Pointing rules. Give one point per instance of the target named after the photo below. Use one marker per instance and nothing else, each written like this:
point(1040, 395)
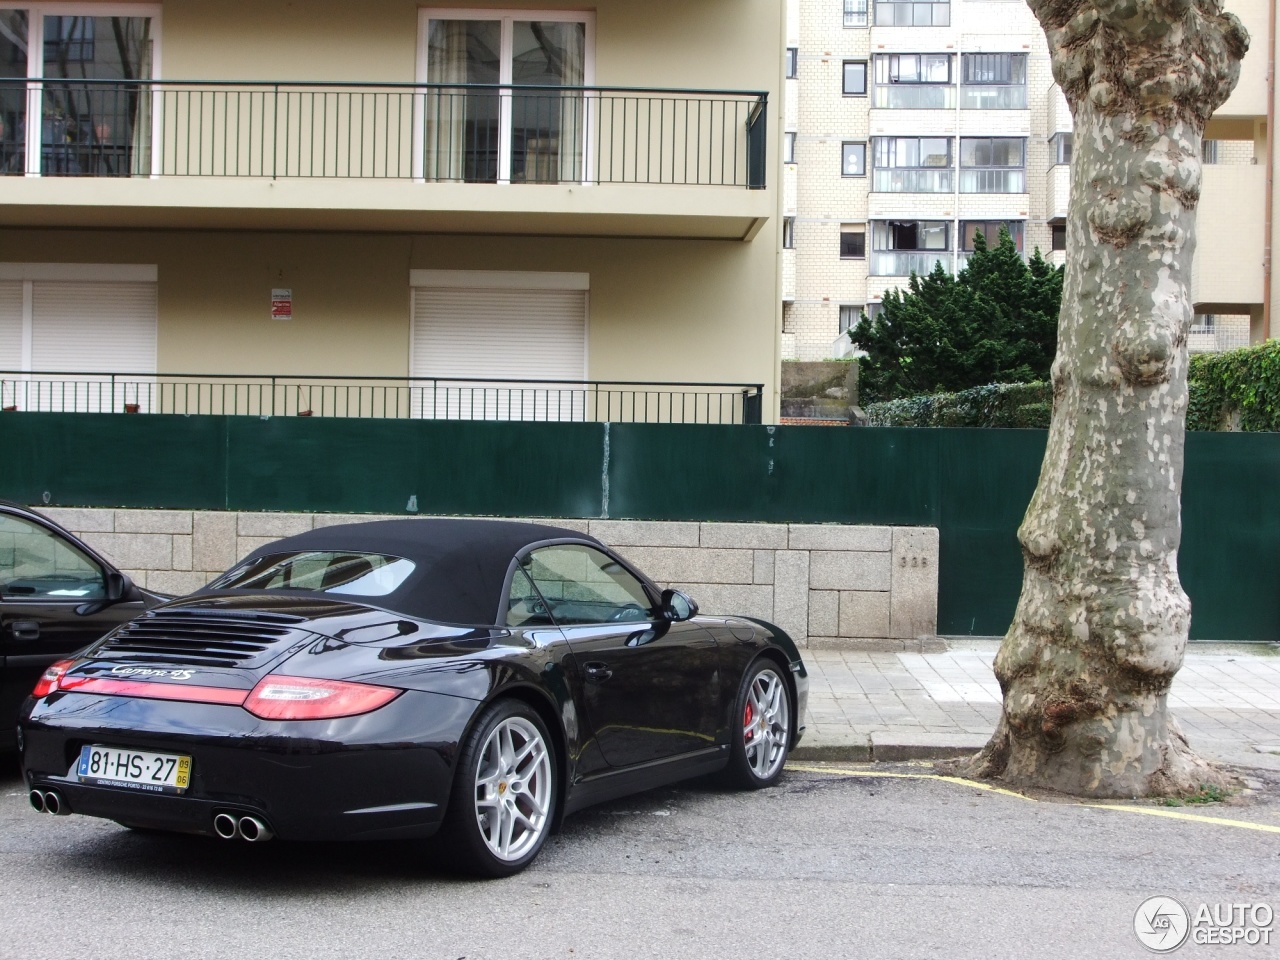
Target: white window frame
point(36, 12)
point(507, 17)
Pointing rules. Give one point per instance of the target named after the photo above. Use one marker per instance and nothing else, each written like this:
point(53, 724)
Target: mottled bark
point(1102, 623)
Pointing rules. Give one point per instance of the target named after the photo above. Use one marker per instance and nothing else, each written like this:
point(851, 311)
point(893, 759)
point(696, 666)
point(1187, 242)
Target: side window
point(524, 607)
point(583, 585)
point(36, 564)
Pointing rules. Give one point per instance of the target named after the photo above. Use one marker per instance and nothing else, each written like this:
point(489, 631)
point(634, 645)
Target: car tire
point(504, 793)
point(761, 727)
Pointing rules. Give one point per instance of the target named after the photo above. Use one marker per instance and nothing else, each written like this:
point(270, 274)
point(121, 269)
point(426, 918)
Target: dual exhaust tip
point(230, 826)
point(49, 801)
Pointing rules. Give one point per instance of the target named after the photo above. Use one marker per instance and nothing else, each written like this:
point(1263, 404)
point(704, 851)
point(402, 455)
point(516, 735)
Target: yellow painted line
point(1149, 811)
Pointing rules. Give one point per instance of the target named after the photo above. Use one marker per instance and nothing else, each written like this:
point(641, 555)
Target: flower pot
point(131, 408)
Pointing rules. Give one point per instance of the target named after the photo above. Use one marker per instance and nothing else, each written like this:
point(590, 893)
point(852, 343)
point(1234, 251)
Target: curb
point(883, 748)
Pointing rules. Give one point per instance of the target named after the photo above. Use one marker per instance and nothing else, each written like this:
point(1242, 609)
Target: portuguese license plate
point(134, 769)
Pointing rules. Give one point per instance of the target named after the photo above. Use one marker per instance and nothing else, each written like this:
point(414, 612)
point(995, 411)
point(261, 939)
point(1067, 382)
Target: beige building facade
point(389, 189)
point(911, 127)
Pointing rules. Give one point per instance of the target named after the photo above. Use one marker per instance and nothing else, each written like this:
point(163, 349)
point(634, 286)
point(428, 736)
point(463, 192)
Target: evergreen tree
point(994, 323)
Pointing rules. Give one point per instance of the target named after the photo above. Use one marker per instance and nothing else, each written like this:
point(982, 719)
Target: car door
point(44, 578)
point(650, 687)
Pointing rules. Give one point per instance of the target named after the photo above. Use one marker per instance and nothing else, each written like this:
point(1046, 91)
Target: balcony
point(912, 180)
point(993, 180)
point(902, 263)
point(993, 96)
point(1057, 192)
point(480, 158)
point(908, 96)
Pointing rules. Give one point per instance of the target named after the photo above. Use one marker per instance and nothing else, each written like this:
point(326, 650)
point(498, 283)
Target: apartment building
point(913, 126)
point(204, 192)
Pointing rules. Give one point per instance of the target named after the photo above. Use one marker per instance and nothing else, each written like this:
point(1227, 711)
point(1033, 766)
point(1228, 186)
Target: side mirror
point(678, 606)
point(117, 586)
point(119, 589)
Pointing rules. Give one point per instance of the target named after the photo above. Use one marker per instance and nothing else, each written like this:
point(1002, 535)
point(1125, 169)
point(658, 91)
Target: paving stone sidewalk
point(902, 706)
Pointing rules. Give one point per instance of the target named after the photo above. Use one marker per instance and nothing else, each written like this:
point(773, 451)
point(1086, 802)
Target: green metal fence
point(972, 484)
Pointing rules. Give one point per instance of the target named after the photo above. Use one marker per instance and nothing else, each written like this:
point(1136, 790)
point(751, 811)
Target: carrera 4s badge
point(152, 672)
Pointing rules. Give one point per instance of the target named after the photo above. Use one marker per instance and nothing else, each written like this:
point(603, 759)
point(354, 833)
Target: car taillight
point(302, 698)
point(48, 681)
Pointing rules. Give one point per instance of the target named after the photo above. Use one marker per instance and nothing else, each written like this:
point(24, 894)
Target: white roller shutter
point(506, 334)
point(94, 326)
point(10, 340)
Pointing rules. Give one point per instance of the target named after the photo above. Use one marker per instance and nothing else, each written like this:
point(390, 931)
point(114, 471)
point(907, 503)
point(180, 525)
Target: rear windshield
point(320, 571)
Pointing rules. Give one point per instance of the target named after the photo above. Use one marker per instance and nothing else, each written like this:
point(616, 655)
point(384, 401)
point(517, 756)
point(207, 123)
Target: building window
point(855, 78)
point(854, 160)
point(914, 81)
point(788, 233)
point(525, 135)
point(990, 232)
point(993, 165)
point(853, 241)
point(789, 147)
point(849, 315)
point(1060, 147)
point(1057, 236)
point(900, 248)
point(912, 165)
point(792, 57)
point(1209, 151)
point(855, 13)
point(913, 13)
point(90, 115)
point(993, 81)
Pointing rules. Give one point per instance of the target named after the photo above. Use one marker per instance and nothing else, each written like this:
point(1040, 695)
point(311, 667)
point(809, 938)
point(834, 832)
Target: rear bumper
point(383, 775)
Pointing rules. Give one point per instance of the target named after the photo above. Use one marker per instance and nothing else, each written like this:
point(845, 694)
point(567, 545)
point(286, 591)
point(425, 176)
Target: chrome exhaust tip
point(254, 830)
point(53, 803)
point(224, 825)
point(37, 801)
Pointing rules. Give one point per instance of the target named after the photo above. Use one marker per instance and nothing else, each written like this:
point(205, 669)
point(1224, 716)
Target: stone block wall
point(828, 585)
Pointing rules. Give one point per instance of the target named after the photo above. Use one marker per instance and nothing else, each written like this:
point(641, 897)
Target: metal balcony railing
point(995, 96)
point(914, 96)
point(418, 398)
point(409, 131)
point(912, 179)
point(902, 263)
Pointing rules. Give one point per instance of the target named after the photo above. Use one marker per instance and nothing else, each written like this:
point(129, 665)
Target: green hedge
point(995, 405)
point(1236, 390)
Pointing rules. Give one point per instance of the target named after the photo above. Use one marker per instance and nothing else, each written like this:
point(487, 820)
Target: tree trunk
point(1102, 622)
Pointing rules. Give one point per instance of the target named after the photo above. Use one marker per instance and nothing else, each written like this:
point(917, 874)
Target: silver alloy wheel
point(513, 788)
point(766, 724)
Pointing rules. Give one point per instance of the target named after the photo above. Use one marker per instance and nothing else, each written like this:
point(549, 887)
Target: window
point(900, 248)
point(853, 162)
point(853, 242)
point(1057, 236)
point(1060, 145)
point(789, 147)
point(914, 81)
point(993, 81)
point(37, 564)
point(322, 571)
point(992, 165)
point(855, 13)
point(989, 230)
point(788, 233)
point(855, 78)
point(793, 55)
point(912, 165)
point(912, 13)
point(1209, 151)
point(580, 584)
point(92, 119)
point(850, 313)
point(486, 135)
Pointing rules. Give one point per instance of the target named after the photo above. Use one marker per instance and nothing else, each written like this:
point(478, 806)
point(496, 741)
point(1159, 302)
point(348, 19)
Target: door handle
point(596, 672)
point(25, 631)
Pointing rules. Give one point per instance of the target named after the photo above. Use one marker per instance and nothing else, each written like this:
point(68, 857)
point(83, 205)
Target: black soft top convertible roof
point(460, 565)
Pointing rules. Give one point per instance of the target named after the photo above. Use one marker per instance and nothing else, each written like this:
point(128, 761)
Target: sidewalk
point(904, 706)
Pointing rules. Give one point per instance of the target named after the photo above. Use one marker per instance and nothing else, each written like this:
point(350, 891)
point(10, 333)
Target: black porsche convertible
point(395, 679)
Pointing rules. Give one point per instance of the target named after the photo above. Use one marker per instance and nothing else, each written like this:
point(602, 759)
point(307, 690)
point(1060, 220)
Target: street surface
point(827, 865)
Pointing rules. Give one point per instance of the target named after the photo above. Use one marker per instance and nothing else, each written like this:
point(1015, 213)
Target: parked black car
point(387, 680)
point(57, 595)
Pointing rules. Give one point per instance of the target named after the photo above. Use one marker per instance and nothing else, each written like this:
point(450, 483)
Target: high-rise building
point(912, 126)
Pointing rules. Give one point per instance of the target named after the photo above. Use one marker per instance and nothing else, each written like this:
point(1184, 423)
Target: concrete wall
point(827, 585)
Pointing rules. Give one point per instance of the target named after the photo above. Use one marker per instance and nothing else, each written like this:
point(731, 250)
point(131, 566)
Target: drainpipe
point(1271, 168)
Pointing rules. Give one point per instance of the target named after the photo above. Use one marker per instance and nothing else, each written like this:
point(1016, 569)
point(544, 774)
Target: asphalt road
point(823, 866)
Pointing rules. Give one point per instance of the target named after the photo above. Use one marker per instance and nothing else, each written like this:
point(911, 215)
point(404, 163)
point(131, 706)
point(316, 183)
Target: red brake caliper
point(748, 716)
